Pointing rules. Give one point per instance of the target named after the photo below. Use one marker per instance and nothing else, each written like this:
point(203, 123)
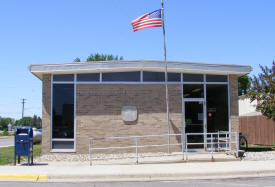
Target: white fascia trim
point(180, 67)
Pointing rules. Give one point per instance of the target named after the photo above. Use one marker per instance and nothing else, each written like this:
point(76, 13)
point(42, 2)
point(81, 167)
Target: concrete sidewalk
point(142, 172)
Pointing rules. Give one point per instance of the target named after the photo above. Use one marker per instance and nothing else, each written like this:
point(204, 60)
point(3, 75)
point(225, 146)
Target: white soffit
point(142, 65)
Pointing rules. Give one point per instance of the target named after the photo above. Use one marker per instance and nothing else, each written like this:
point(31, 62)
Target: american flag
point(148, 20)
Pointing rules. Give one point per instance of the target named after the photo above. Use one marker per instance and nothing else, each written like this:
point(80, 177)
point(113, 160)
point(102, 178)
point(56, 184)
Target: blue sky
point(50, 31)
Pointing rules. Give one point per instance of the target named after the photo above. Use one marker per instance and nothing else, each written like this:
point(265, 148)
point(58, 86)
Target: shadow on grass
point(258, 148)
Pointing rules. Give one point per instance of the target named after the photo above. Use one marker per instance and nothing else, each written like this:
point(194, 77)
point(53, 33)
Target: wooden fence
point(258, 129)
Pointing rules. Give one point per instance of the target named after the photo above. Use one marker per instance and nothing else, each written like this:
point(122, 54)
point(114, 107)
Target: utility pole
point(23, 105)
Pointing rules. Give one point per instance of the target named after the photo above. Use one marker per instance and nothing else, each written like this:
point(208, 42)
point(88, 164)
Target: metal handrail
point(127, 137)
point(225, 140)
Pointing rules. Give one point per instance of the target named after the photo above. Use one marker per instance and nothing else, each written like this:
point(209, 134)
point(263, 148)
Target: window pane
point(62, 145)
point(122, 76)
point(88, 77)
point(153, 76)
point(174, 77)
point(194, 122)
point(63, 111)
point(192, 77)
point(193, 91)
point(216, 78)
point(217, 108)
point(67, 77)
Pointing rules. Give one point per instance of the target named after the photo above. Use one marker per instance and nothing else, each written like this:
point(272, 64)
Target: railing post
point(169, 143)
point(226, 141)
point(218, 141)
point(136, 150)
point(237, 144)
point(182, 146)
point(186, 143)
point(90, 150)
point(212, 145)
point(230, 138)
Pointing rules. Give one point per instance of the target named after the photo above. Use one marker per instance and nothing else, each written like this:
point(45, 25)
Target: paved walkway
point(142, 172)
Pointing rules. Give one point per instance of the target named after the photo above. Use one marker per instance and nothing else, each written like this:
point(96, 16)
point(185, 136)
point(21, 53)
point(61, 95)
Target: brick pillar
point(234, 108)
point(46, 113)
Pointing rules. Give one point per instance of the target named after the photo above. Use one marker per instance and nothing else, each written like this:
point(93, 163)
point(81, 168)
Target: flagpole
point(166, 76)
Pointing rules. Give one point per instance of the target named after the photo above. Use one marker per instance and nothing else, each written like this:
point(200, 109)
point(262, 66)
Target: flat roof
point(138, 65)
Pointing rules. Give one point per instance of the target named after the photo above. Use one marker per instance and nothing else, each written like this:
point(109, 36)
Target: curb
point(6, 146)
point(134, 177)
point(23, 177)
point(159, 177)
point(5, 137)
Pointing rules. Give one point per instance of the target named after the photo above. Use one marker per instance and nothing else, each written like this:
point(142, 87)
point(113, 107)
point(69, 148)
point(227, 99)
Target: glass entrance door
point(194, 123)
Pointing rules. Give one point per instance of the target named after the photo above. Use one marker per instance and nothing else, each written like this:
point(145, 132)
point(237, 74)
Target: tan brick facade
point(234, 107)
point(46, 113)
point(98, 113)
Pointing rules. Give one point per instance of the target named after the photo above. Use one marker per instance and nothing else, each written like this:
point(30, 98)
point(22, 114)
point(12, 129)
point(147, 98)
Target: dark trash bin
point(23, 143)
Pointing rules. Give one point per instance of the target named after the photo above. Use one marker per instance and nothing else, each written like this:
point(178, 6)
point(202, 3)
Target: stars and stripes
point(148, 20)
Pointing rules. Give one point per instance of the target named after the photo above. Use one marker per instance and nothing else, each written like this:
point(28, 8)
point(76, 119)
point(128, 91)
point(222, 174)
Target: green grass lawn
point(7, 154)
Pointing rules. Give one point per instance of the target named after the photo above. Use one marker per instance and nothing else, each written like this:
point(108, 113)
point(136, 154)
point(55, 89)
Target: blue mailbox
point(23, 143)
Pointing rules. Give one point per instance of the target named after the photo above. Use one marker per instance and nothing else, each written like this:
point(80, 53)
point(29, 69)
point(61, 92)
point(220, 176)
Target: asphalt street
point(250, 182)
point(5, 142)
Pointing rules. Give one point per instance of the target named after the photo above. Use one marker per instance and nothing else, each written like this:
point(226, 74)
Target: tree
point(25, 121)
point(5, 121)
point(36, 121)
point(77, 59)
point(263, 90)
point(100, 57)
point(39, 122)
point(244, 83)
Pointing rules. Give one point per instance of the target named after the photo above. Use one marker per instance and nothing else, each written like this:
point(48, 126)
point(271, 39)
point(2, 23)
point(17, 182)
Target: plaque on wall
point(129, 113)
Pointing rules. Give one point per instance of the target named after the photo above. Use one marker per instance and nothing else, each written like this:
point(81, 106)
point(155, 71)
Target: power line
point(23, 104)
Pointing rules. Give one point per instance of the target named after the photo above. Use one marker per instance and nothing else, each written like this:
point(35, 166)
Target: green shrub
point(5, 132)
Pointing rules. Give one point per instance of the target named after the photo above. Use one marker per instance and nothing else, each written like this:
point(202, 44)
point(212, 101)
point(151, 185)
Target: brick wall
point(46, 113)
point(99, 114)
point(234, 108)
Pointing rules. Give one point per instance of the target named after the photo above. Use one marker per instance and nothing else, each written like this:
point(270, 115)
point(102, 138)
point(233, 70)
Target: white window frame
point(51, 123)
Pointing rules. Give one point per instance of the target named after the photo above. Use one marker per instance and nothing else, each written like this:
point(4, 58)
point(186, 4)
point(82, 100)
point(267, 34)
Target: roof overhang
point(139, 65)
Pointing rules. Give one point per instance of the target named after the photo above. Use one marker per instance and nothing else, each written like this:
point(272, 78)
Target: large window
point(217, 107)
point(63, 116)
point(174, 77)
point(63, 77)
point(121, 76)
point(149, 76)
point(153, 76)
point(216, 78)
point(193, 91)
point(192, 78)
point(93, 77)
